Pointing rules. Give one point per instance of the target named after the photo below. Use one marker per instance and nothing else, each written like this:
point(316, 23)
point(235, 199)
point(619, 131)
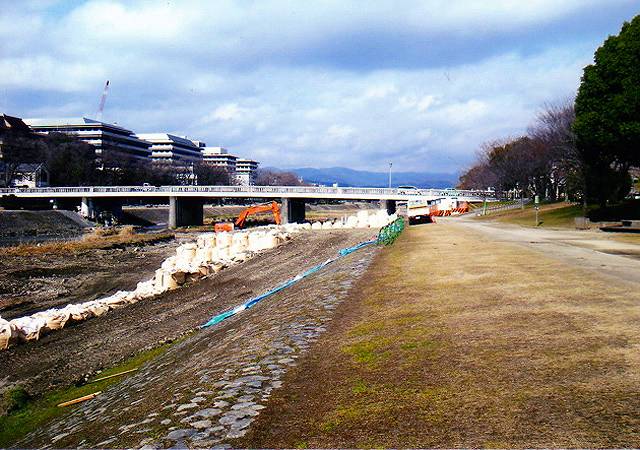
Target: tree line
point(580, 149)
point(72, 162)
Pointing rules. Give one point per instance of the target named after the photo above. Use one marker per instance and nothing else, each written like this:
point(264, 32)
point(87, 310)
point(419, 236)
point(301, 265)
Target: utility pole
point(390, 164)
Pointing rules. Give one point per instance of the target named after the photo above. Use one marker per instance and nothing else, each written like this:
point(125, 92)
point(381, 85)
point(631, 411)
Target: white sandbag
point(240, 257)
point(315, 226)
point(327, 225)
point(55, 319)
point(255, 241)
point(223, 239)
point(145, 289)
point(169, 263)
point(240, 239)
point(352, 222)
point(158, 280)
point(77, 313)
point(185, 254)
point(97, 308)
point(29, 328)
point(238, 247)
point(8, 334)
point(217, 267)
point(116, 300)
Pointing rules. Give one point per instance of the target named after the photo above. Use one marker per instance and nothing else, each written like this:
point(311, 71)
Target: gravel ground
point(37, 282)
point(208, 388)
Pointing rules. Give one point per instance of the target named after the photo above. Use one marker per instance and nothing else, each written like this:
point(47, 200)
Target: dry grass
point(455, 341)
point(99, 238)
point(626, 238)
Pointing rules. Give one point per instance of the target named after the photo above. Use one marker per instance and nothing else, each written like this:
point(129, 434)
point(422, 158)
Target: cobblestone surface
point(210, 387)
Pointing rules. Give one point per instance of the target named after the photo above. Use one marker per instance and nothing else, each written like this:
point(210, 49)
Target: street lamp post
point(390, 164)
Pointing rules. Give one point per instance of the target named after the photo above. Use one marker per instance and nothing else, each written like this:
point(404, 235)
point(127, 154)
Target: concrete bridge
point(186, 202)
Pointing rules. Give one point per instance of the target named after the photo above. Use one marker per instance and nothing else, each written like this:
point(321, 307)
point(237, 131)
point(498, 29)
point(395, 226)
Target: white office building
point(220, 157)
point(108, 139)
point(167, 147)
point(246, 171)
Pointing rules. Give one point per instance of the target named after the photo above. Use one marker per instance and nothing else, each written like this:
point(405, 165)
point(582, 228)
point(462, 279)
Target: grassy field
point(555, 215)
point(457, 341)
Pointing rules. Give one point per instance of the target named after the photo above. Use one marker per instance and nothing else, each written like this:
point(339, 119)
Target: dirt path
point(592, 250)
point(457, 339)
point(33, 283)
point(63, 357)
point(209, 387)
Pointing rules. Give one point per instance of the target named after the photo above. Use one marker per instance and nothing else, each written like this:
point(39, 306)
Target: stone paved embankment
point(209, 388)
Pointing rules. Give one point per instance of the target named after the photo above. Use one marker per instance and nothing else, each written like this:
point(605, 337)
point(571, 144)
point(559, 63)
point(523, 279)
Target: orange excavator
point(255, 209)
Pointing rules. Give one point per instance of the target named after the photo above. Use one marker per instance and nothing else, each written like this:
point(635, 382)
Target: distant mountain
point(349, 177)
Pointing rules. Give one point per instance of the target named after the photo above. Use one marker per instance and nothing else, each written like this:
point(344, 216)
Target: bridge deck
point(338, 193)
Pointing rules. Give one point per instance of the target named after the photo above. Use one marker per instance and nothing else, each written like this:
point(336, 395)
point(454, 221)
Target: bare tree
point(267, 177)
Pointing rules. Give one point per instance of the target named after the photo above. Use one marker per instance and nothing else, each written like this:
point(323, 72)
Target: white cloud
point(292, 84)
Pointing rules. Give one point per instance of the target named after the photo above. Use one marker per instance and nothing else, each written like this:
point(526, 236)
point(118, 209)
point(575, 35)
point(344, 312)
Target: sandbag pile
point(363, 219)
point(210, 253)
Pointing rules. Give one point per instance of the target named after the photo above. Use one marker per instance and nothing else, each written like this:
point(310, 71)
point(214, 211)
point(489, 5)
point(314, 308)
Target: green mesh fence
point(388, 234)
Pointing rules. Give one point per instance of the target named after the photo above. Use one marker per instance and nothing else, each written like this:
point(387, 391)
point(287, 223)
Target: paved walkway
point(585, 249)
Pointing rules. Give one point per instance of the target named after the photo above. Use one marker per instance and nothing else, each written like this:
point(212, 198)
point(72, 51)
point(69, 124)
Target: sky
point(329, 83)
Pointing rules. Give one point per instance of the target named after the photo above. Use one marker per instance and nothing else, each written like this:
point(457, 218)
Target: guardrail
point(249, 190)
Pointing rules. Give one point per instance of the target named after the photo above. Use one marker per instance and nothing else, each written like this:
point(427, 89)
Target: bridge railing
point(251, 190)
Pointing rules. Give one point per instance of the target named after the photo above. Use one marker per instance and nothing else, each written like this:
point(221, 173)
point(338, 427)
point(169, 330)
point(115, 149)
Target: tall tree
point(209, 175)
point(607, 124)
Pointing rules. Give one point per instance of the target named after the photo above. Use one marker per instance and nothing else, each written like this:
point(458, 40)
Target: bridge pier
point(292, 210)
point(185, 211)
point(93, 208)
point(389, 205)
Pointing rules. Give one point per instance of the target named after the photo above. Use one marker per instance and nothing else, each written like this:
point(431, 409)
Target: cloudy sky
point(301, 83)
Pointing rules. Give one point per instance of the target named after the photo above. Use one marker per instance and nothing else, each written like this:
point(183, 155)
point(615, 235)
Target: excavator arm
point(272, 206)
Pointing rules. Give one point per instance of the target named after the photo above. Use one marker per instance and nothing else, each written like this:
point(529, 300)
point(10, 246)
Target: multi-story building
point(169, 148)
point(220, 157)
point(11, 126)
point(111, 142)
point(246, 171)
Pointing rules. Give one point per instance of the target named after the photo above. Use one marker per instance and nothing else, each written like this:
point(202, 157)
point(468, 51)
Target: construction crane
point(102, 101)
point(271, 206)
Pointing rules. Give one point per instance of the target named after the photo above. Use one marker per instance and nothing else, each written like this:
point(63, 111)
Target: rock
point(209, 412)
point(58, 437)
point(187, 406)
point(162, 422)
point(201, 424)
point(243, 405)
point(180, 434)
point(240, 424)
point(236, 433)
point(197, 399)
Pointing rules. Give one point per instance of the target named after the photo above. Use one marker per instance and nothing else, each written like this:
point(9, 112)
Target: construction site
point(208, 336)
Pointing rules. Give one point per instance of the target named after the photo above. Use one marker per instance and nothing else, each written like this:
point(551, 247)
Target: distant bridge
point(186, 201)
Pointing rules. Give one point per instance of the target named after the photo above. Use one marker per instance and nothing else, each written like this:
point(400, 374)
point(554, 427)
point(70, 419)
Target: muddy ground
point(29, 284)
point(65, 356)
